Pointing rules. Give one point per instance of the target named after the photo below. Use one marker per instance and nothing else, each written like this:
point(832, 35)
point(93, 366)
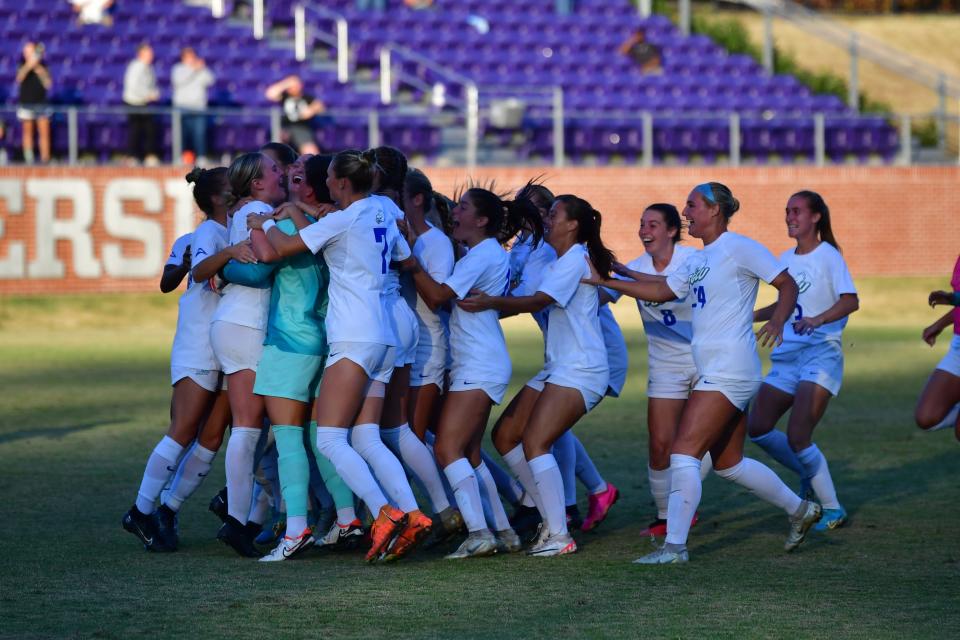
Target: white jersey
point(191, 344)
point(822, 277)
point(668, 325)
point(358, 244)
point(519, 253)
point(720, 284)
point(435, 253)
point(574, 342)
point(390, 208)
point(478, 349)
point(245, 306)
point(539, 259)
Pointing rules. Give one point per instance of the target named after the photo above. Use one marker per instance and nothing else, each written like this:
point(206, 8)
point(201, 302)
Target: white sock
point(685, 492)
point(762, 482)
point(239, 465)
point(706, 466)
point(466, 489)
point(365, 439)
point(518, 464)
point(660, 489)
point(161, 465)
point(296, 525)
point(259, 507)
point(488, 486)
point(346, 515)
point(193, 469)
point(550, 487)
point(815, 467)
point(775, 443)
point(411, 450)
point(332, 442)
point(948, 421)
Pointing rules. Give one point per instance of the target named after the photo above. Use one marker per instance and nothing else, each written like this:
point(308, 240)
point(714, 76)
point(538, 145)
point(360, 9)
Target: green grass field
point(86, 395)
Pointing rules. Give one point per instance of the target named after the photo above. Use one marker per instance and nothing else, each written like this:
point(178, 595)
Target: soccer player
point(808, 365)
point(237, 334)
point(671, 370)
point(722, 281)
point(290, 367)
point(197, 404)
point(358, 242)
point(576, 373)
point(481, 365)
point(939, 403)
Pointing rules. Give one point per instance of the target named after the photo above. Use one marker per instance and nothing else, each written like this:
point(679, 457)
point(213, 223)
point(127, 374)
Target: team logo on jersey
point(699, 274)
point(379, 217)
point(803, 281)
point(651, 304)
point(201, 252)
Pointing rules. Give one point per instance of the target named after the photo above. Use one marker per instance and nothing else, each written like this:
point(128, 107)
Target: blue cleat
point(831, 519)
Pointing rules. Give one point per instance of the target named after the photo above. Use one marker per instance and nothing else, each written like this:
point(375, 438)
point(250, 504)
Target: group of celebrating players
point(343, 319)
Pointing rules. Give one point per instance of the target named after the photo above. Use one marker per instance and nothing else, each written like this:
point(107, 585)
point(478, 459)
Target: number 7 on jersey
point(380, 235)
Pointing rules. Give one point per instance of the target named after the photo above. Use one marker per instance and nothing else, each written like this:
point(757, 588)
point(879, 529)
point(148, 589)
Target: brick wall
point(889, 221)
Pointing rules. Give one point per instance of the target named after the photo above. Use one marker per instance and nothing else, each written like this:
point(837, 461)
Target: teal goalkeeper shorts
point(282, 374)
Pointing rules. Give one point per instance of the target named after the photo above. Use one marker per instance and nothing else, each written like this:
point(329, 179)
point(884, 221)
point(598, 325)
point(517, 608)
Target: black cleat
point(574, 519)
point(218, 505)
point(168, 529)
point(234, 535)
point(142, 526)
point(525, 521)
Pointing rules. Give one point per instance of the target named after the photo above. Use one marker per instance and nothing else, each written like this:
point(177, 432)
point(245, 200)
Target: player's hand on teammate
point(477, 301)
point(242, 252)
point(940, 297)
point(240, 204)
point(806, 326)
point(187, 259)
point(770, 334)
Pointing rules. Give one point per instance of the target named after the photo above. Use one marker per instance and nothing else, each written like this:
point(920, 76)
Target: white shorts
point(819, 363)
point(738, 392)
point(376, 359)
point(590, 398)
point(495, 390)
point(951, 361)
point(671, 383)
point(407, 330)
point(209, 379)
point(236, 347)
point(429, 365)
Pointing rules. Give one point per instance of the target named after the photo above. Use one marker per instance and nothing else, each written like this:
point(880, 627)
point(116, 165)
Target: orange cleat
point(390, 521)
point(416, 530)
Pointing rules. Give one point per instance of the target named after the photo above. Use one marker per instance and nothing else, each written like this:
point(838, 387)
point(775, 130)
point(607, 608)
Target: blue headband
point(706, 191)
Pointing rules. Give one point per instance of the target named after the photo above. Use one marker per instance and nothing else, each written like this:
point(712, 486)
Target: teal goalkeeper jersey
point(298, 302)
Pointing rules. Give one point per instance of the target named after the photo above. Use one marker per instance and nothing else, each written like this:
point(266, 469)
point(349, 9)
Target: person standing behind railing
point(140, 90)
point(190, 79)
point(33, 82)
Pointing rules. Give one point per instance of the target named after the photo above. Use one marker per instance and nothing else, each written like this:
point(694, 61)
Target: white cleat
point(809, 515)
point(477, 544)
point(290, 547)
point(508, 541)
point(560, 544)
point(662, 556)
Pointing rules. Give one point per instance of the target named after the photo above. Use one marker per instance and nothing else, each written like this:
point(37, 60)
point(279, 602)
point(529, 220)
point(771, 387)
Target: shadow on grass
point(56, 433)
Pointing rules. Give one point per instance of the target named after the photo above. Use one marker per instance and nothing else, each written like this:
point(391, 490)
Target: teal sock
point(342, 495)
point(294, 473)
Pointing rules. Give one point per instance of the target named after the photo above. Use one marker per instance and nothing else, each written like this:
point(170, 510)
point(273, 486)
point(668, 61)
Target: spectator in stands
point(93, 11)
point(645, 54)
point(140, 90)
point(190, 79)
point(299, 109)
point(418, 4)
point(33, 80)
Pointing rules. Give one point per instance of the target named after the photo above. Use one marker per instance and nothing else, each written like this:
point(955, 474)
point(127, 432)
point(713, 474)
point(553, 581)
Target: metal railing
point(306, 31)
point(546, 116)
